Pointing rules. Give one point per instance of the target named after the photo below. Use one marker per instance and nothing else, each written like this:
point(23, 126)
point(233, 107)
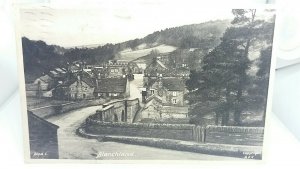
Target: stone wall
point(210, 134)
point(168, 131)
point(47, 111)
point(80, 91)
point(174, 112)
point(168, 98)
point(119, 111)
point(234, 135)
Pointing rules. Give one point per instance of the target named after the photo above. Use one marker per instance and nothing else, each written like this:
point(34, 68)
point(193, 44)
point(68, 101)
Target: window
point(152, 91)
point(112, 70)
point(116, 70)
point(174, 93)
point(174, 101)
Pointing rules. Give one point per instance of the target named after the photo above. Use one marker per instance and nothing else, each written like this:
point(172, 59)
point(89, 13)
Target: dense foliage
point(224, 85)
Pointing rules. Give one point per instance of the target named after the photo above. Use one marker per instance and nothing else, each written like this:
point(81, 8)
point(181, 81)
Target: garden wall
point(234, 135)
point(210, 134)
point(168, 131)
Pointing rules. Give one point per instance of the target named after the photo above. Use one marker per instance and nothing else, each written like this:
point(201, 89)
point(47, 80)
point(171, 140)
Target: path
point(71, 146)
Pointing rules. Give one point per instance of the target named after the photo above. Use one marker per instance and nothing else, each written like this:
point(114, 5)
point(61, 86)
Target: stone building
point(116, 68)
point(165, 98)
point(44, 82)
point(42, 138)
point(119, 111)
point(112, 87)
point(156, 68)
point(76, 89)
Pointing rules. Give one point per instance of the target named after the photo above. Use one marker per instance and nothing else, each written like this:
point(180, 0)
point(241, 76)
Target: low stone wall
point(174, 112)
point(168, 131)
point(234, 135)
point(81, 104)
point(246, 152)
point(118, 111)
point(48, 111)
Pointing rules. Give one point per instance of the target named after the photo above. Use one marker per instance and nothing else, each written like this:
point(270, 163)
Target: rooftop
point(46, 78)
point(111, 85)
point(173, 84)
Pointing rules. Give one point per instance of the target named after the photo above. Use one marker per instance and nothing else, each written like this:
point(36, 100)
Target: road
point(136, 86)
point(71, 146)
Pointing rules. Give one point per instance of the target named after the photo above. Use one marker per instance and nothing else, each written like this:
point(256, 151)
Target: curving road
point(72, 146)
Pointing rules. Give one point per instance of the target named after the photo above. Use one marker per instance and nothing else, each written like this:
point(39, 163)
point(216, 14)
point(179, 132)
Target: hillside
point(129, 54)
point(40, 57)
point(204, 36)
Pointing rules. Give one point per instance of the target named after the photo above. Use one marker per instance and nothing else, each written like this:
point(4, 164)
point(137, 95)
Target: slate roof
point(60, 70)
point(173, 84)
point(89, 81)
point(111, 85)
point(46, 78)
point(69, 82)
point(161, 64)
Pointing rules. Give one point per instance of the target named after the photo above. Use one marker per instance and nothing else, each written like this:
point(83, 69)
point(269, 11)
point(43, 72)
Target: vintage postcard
point(145, 82)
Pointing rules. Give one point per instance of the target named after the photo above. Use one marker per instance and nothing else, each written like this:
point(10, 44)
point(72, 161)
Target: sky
point(111, 22)
point(115, 23)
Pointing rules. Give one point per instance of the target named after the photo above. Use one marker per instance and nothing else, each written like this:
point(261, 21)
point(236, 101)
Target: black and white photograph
point(146, 82)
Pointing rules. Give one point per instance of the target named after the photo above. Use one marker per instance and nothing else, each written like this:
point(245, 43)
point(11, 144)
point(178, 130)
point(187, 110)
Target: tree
point(214, 85)
point(262, 80)
point(245, 19)
point(222, 85)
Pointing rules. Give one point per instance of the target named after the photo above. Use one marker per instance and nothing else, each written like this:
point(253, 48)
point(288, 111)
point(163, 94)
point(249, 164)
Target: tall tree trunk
point(242, 79)
point(225, 114)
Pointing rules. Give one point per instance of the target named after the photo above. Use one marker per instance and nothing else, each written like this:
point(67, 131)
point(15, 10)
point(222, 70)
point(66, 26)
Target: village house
point(116, 68)
point(75, 68)
point(58, 74)
point(153, 71)
point(133, 68)
point(44, 82)
point(82, 88)
point(76, 88)
point(41, 87)
point(156, 68)
point(166, 97)
point(141, 66)
point(112, 88)
point(182, 72)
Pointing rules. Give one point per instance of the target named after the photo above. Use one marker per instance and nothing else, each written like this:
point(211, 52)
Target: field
point(130, 55)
